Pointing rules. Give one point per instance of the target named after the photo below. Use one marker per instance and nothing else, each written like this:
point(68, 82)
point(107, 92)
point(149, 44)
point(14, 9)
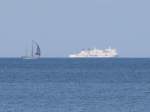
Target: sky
point(62, 27)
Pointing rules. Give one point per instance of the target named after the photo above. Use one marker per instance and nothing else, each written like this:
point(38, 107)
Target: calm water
point(75, 85)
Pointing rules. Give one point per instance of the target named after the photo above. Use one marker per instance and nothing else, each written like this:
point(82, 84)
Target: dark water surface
point(75, 85)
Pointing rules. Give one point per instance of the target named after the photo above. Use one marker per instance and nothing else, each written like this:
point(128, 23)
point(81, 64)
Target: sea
point(75, 85)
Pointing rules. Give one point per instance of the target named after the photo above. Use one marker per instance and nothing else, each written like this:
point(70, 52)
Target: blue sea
point(75, 85)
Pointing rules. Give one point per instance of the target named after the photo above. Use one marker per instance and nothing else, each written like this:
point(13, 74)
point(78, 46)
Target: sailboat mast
point(32, 49)
point(26, 52)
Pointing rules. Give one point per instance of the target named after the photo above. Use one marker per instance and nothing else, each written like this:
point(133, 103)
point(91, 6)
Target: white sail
point(35, 51)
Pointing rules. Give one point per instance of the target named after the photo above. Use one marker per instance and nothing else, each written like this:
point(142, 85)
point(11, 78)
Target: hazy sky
point(65, 26)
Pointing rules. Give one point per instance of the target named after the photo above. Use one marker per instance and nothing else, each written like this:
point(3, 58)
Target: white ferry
point(95, 53)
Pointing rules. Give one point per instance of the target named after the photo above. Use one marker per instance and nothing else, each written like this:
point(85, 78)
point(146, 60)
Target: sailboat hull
point(29, 58)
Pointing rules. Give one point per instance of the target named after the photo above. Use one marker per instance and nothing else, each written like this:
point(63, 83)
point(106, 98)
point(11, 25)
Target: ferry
point(96, 53)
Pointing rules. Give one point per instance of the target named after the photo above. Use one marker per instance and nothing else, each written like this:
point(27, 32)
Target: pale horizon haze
point(62, 27)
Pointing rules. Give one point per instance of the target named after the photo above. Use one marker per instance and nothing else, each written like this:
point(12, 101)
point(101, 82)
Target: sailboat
point(35, 52)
